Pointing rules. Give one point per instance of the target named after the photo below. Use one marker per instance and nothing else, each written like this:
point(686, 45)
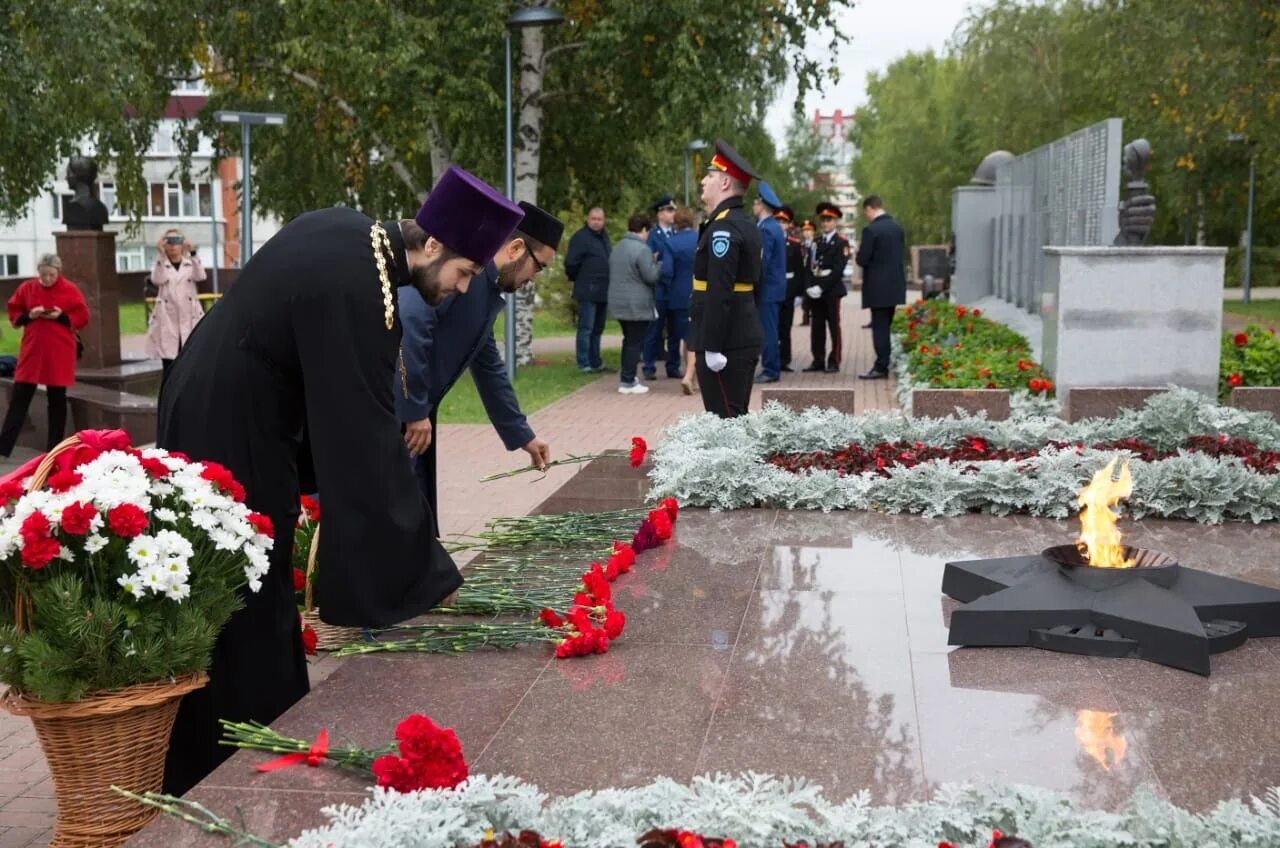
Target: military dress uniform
point(723, 317)
point(797, 282)
point(830, 255)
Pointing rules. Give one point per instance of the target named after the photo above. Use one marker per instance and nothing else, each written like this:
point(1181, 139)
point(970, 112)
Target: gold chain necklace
point(382, 252)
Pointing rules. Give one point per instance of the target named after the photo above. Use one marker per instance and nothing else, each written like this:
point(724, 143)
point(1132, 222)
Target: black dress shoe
point(814, 367)
point(874, 375)
point(651, 375)
point(765, 378)
point(866, 326)
point(788, 369)
point(831, 369)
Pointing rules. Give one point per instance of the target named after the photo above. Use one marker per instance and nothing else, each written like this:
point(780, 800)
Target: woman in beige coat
point(177, 309)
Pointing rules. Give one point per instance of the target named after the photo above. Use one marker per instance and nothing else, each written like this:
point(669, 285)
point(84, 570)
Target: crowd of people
point(646, 283)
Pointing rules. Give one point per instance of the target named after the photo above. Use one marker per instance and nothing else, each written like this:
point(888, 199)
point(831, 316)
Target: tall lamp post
point(247, 120)
point(1246, 284)
point(689, 149)
point(526, 16)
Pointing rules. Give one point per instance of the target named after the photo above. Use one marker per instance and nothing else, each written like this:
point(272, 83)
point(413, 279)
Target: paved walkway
point(593, 419)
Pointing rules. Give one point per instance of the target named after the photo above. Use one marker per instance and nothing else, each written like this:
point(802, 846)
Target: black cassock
point(290, 374)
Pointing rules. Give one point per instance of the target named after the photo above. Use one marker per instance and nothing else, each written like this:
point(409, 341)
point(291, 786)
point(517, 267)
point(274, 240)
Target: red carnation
point(661, 523)
point(961, 311)
point(78, 517)
point(614, 622)
point(646, 537)
point(127, 520)
point(551, 618)
point(154, 467)
point(672, 506)
point(37, 553)
point(262, 524)
point(62, 481)
point(222, 480)
point(311, 508)
point(309, 639)
point(626, 553)
point(977, 313)
point(394, 773)
point(34, 527)
point(12, 491)
point(1240, 339)
point(638, 449)
point(1235, 380)
point(299, 580)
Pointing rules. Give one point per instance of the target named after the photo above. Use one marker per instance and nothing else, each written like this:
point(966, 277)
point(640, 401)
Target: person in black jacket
point(828, 258)
point(725, 328)
point(587, 266)
point(884, 282)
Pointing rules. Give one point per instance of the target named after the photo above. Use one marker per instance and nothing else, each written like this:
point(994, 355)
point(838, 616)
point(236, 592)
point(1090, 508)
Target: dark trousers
point(424, 468)
point(633, 333)
point(674, 324)
point(826, 319)
point(20, 402)
point(591, 320)
point(786, 317)
point(881, 320)
point(770, 354)
point(727, 393)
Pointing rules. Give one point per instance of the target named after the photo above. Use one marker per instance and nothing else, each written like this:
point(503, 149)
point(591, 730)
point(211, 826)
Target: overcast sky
point(881, 31)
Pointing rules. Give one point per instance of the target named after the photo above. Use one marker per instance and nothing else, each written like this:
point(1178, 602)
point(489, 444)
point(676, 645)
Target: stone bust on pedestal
point(84, 211)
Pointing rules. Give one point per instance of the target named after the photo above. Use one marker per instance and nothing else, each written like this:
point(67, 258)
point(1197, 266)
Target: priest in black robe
point(285, 383)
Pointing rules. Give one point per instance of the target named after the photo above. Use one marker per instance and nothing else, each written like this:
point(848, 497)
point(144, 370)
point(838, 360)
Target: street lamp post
point(247, 120)
point(526, 16)
point(1247, 282)
point(689, 149)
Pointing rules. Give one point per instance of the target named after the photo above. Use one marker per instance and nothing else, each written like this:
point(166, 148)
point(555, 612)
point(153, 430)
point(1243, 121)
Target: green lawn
point(547, 380)
point(1259, 310)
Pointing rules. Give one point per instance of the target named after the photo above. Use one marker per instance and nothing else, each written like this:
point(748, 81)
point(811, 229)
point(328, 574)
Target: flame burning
point(1098, 531)
point(1097, 736)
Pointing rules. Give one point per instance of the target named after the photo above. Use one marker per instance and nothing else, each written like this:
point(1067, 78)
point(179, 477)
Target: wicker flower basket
point(118, 737)
point(111, 738)
point(329, 637)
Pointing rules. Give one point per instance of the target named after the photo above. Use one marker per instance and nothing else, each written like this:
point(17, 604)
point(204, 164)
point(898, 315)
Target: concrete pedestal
point(1142, 316)
point(89, 261)
point(973, 215)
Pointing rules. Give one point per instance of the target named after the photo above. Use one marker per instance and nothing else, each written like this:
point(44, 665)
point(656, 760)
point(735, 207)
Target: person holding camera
point(50, 310)
point(177, 310)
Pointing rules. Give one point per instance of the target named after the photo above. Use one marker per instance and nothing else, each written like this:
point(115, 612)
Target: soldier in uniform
point(796, 285)
point(830, 256)
point(725, 329)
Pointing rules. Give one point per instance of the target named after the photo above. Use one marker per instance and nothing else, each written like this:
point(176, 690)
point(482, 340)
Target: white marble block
point(1133, 316)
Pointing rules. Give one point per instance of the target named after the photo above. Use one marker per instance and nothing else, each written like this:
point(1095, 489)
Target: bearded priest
point(285, 383)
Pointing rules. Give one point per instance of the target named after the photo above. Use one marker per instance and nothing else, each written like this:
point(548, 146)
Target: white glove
point(716, 361)
point(825, 272)
point(799, 301)
point(814, 292)
point(790, 274)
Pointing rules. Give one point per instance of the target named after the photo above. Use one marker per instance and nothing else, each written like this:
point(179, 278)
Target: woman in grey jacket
point(633, 272)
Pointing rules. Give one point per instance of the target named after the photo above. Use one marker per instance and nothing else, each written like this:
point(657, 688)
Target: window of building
point(60, 205)
point(8, 264)
point(131, 258)
point(170, 200)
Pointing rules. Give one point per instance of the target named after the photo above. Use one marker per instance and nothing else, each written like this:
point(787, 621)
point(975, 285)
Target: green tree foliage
point(1185, 74)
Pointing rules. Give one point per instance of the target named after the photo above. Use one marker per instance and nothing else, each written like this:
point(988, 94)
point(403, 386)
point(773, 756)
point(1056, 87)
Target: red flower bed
point(883, 457)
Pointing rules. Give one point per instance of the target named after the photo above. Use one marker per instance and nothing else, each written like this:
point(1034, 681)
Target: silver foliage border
point(761, 810)
point(710, 462)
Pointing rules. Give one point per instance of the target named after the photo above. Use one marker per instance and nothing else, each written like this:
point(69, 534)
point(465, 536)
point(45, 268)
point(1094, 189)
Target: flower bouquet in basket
point(316, 634)
point(118, 569)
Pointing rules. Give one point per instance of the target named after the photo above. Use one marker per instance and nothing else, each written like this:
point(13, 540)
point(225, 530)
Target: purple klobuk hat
point(466, 215)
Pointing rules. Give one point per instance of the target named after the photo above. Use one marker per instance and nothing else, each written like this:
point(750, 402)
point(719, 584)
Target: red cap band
point(721, 164)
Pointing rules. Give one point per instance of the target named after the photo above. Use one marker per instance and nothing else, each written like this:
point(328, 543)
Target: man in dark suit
point(442, 341)
point(884, 282)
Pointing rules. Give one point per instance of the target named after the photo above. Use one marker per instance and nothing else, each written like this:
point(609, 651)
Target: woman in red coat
point(50, 310)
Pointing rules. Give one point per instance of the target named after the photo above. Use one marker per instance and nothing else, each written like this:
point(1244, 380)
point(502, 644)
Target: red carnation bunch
point(310, 509)
point(661, 521)
point(38, 546)
point(430, 758)
point(223, 481)
point(127, 520)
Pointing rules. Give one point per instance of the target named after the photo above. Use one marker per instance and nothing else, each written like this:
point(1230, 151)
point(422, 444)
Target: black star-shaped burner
point(1162, 612)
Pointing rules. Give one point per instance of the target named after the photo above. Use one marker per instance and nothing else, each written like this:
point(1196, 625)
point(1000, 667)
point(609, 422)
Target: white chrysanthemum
point(153, 579)
point(255, 584)
point(257, 558)
point(204, 519)
point(143, 551)
point(66, 554)
point(162, 490)
point(132, 583)
point(177, 590)
point(224, 541)
point(174, 544)
point(94, 542)
point(9, 537)
point(166, 515)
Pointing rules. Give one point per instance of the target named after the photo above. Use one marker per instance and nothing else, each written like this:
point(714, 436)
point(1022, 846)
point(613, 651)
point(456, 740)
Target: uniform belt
point(701, 285)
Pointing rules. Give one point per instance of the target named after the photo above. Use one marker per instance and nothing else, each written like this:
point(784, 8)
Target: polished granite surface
point(809, 644)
